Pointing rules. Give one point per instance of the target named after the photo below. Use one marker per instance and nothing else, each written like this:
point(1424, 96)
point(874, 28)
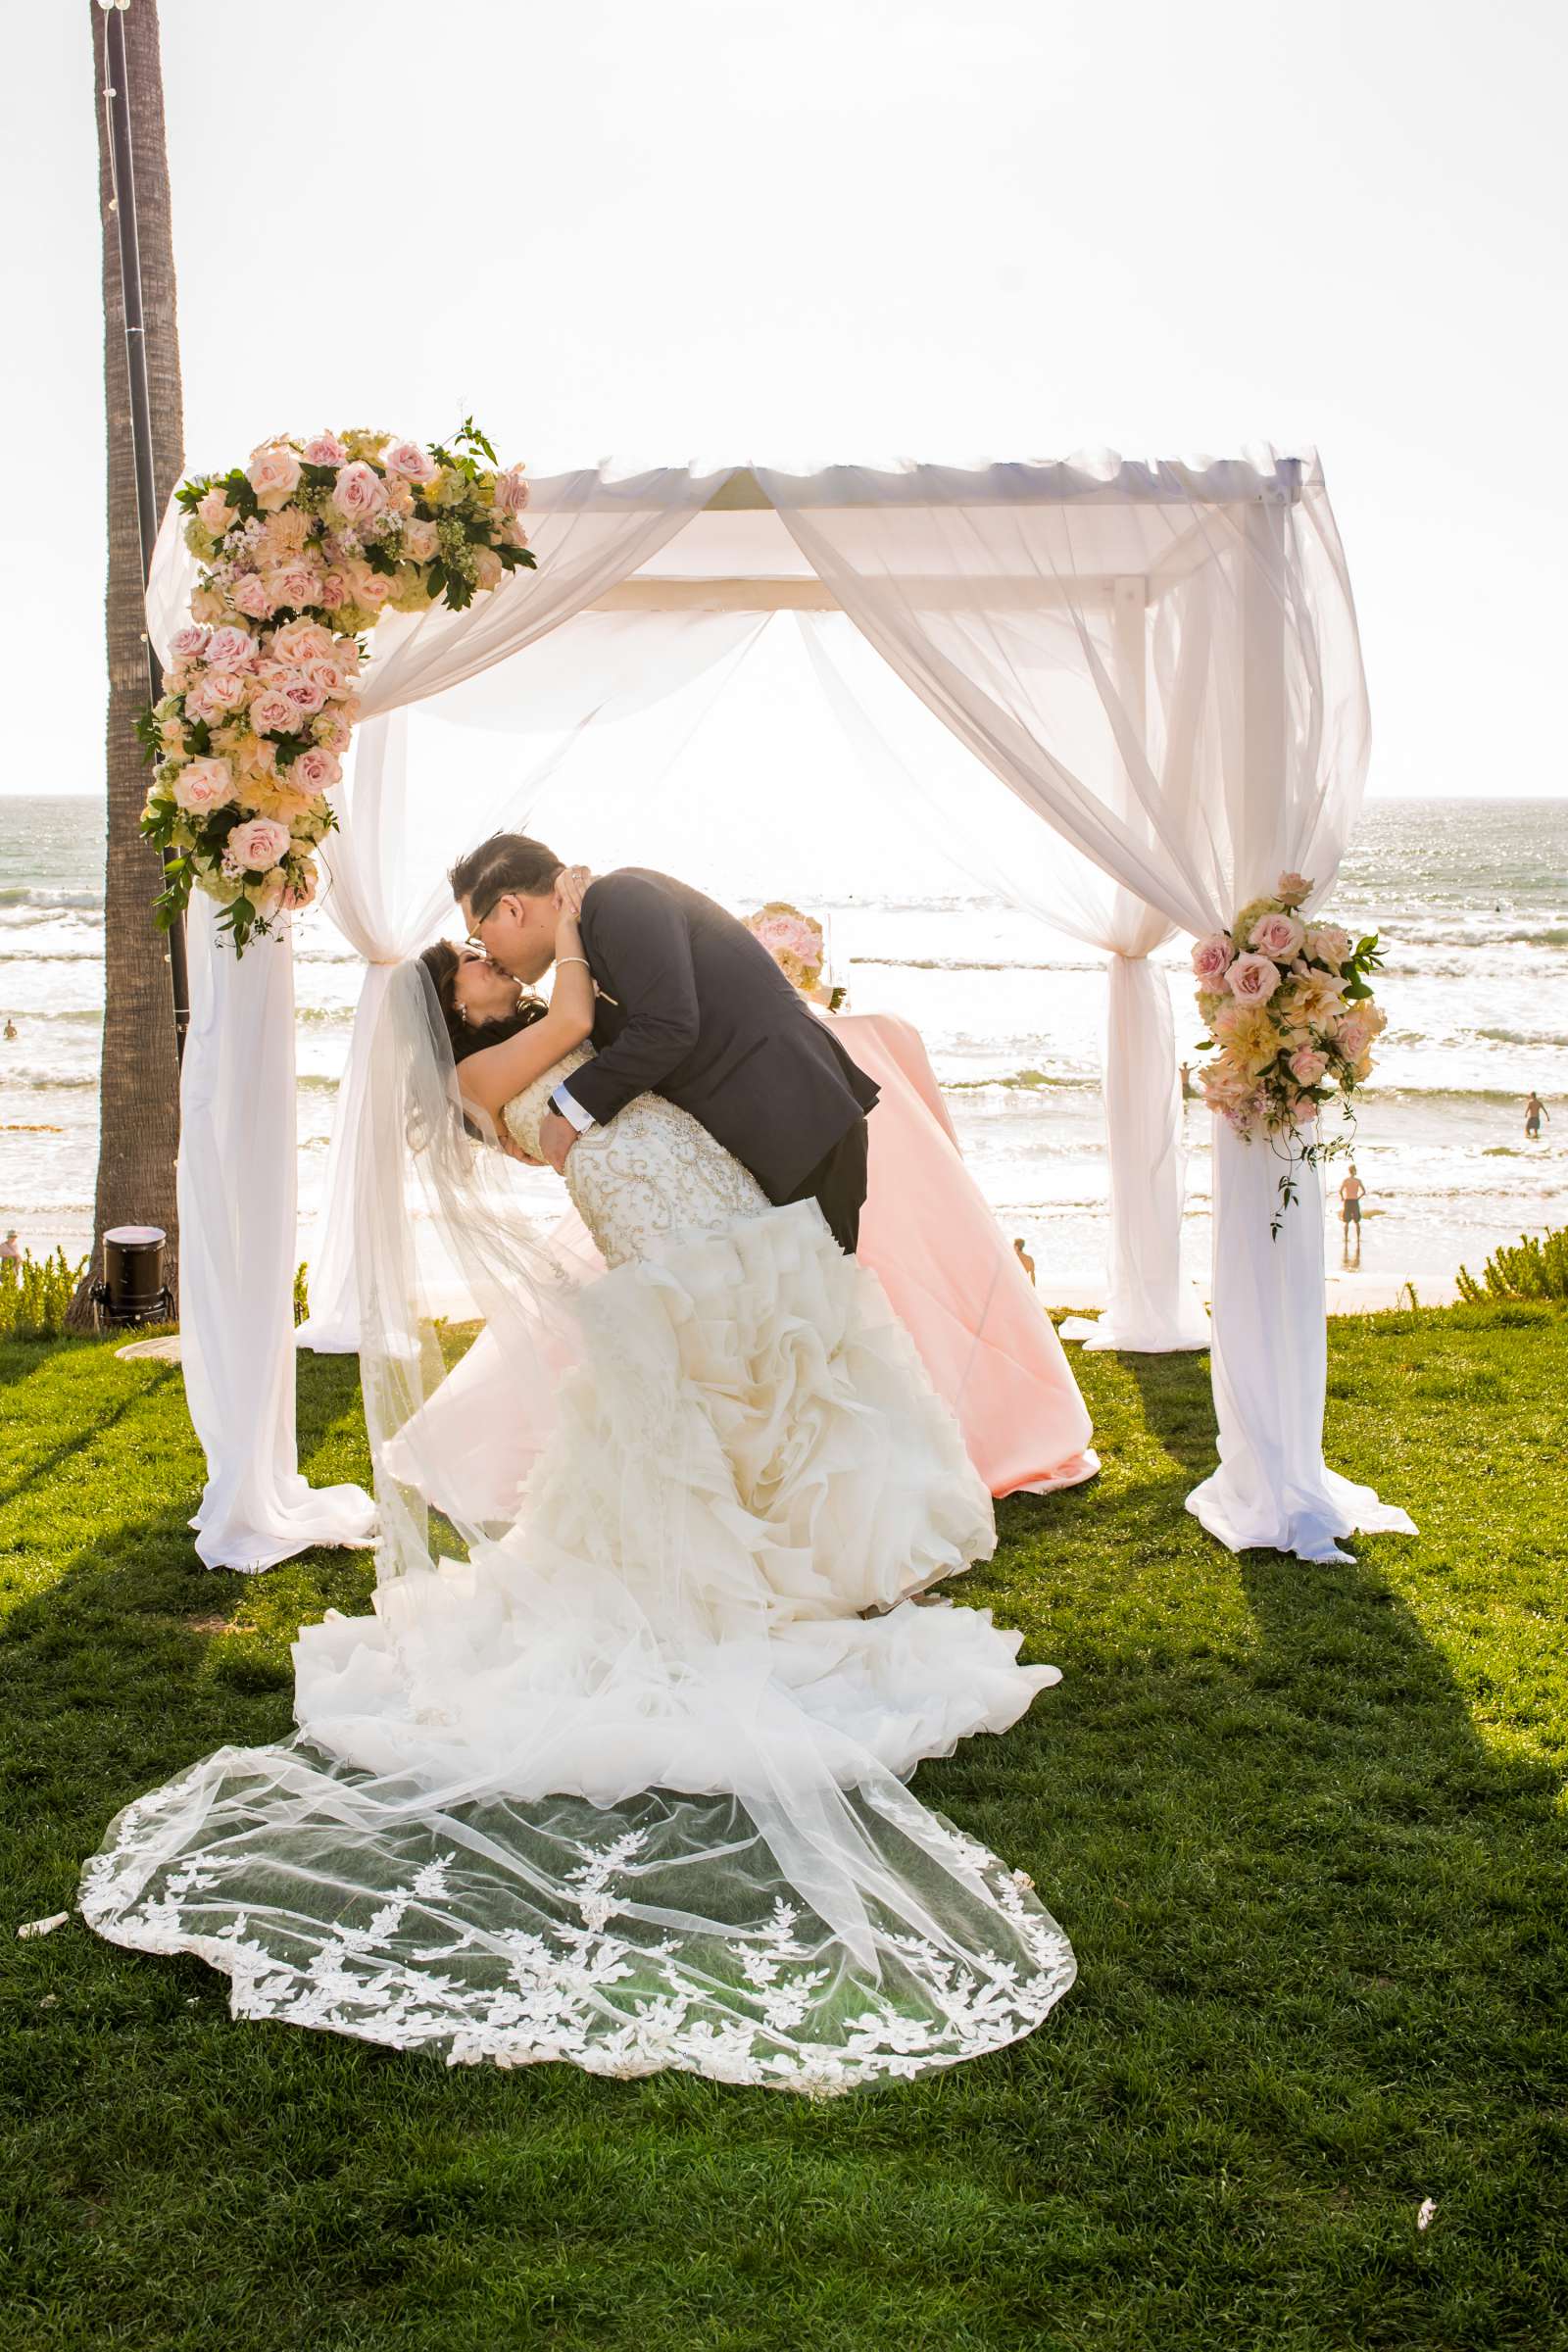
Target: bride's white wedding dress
point(625, 1786)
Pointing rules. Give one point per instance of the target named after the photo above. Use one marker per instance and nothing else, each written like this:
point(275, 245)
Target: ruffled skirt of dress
point(626, 1787)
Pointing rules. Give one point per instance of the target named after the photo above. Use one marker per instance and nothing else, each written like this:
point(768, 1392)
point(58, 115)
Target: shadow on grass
point(1318, 1922)
point(1178, 1405)
point(132, 1632)
point(41, 1470)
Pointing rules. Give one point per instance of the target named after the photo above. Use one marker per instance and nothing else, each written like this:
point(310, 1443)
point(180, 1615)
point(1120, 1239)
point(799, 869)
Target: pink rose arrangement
point(302, 551)
point(1291, 1021)
point(793, 940)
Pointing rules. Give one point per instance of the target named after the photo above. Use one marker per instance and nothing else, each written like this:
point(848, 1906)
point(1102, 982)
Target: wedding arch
point(1159, 661)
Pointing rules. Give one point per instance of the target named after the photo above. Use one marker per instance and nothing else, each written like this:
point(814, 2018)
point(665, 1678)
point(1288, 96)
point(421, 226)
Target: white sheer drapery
point(1161, 660)
point(591, 529)
point(386, 864)
point(1150, 1306)
point(237, 1262)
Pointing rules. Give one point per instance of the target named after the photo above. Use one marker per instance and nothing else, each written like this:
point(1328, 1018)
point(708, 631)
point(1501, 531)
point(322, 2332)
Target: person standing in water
point(1534, 1113)
point(1352, 1191)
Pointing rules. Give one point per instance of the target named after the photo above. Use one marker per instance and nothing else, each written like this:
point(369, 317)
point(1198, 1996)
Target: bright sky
point(847, 228)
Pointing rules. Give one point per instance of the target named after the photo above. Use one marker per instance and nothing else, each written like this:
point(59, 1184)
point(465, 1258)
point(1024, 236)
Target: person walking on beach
point(1352, 1191)
point(1535, 1111)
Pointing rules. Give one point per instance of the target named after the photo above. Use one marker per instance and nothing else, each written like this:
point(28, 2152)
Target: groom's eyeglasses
point(473, 940)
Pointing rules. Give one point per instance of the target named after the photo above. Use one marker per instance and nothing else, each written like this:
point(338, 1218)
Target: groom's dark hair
point(506, 861)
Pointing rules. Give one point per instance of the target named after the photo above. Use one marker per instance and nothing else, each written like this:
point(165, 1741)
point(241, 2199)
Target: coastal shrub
point(34, 1293)
point(1533, 1269)
point(302, 1296)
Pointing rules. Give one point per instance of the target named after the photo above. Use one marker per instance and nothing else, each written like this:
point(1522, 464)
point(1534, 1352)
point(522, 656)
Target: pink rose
point(205, 784)
point(272, 713)
point(314, 770)
point(228, 647)
point(215, 512)
point(294, 583)
point(357, 491)
point(188, 643)
point(332, 731)
point(1279, 936)
point(515, 535)
point(488, 569)
point(370, 589)
point(302, 641)
point(328, 676)
point(274, 473)
point(1213, 958)
point(420, 541)
point(512, 491)
point(408, 459)
point(1252, 979)
point(1308, 1066)
point(1292, 889)
point(345, 654)
point(304, 693)
point(255, 847)
point(1353, 1035)
point(1329, 944)
point(325, 450)
point(333, 592)
point(248, 594)
point(216, 692)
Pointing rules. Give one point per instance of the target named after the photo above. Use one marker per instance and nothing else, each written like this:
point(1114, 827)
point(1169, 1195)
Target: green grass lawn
point(1303, 1825)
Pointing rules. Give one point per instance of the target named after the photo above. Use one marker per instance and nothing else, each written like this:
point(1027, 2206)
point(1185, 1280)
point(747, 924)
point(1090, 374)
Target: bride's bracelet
point(561, 962)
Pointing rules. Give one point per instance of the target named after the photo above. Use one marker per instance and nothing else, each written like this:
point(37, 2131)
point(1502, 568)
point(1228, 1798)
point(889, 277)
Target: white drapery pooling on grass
point(1151, 1308)
point(1159, 661)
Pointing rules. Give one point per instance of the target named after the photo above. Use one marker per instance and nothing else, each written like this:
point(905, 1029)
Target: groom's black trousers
point(837, 1184)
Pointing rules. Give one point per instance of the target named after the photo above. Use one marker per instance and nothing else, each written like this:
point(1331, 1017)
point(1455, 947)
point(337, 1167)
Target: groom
point(689, 1006)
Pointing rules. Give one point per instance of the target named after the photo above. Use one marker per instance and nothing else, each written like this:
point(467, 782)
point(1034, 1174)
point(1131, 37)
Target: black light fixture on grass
point(133, 1289)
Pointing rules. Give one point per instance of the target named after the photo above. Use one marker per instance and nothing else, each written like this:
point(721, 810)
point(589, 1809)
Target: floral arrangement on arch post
point(302, 551)
point(1291, 1022)
point(796, 944)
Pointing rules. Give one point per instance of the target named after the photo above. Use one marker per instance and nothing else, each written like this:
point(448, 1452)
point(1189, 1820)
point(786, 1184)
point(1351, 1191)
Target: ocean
point(1471, 898)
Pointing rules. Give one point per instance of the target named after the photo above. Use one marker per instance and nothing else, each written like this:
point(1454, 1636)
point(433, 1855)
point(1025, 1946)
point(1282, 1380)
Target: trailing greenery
point(1535, 1269)
point(35, 1292)
point(1304, 1825)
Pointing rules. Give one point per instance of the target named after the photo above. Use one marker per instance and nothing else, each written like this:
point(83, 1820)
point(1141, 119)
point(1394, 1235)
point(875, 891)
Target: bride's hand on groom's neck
point(571, 884)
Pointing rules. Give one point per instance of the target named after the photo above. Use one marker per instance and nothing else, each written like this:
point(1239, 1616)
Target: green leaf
point(470, 432)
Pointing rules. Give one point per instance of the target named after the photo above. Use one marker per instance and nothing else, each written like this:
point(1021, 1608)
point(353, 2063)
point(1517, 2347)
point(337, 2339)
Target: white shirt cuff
point(570, 1108)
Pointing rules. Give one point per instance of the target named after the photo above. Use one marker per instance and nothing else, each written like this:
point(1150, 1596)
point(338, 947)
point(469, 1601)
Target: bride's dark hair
point(443, 963)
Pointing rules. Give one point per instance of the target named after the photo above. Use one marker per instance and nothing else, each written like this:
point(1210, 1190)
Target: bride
point(620, 1781)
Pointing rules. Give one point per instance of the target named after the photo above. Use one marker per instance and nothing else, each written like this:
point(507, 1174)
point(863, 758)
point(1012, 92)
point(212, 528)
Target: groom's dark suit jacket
point(703, 1015)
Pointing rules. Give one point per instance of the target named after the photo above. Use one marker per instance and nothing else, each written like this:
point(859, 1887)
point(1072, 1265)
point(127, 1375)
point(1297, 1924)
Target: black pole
point(123, 177)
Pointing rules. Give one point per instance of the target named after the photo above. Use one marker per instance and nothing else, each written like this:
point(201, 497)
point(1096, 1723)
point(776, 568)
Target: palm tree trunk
point(138, 1090)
